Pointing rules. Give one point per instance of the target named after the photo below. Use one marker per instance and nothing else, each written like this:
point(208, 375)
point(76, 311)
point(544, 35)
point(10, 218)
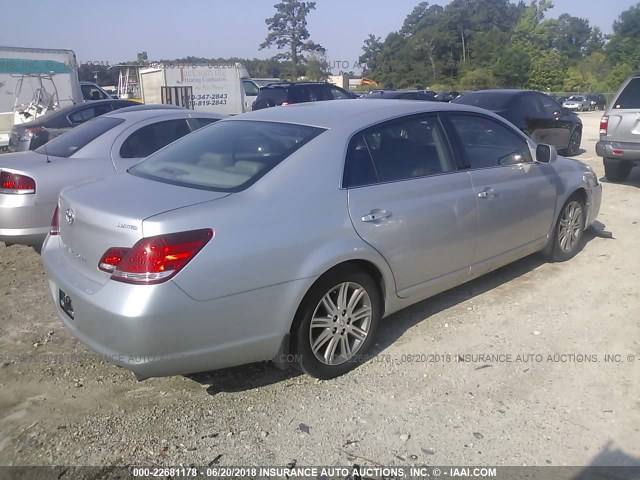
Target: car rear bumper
point(23, 221)
point(619, 150)
point(158, 330)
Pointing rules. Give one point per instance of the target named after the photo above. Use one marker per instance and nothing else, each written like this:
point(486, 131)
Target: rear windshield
point(276, 95)
point(72, 141)
point(630, 96)
point(226, 156)
point(488, 101)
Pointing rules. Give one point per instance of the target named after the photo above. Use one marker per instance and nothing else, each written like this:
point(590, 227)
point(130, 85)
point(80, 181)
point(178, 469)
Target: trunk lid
point(96, 216)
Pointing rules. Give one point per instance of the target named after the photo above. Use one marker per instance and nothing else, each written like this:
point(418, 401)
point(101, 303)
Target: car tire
point(568, 232)
point(575, 140)
point(617, 170)
point(326, 340)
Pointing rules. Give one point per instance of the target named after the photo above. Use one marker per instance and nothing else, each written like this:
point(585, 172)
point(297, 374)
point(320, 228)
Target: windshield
point(74, 140)
point(227, 156)
point(488, 101)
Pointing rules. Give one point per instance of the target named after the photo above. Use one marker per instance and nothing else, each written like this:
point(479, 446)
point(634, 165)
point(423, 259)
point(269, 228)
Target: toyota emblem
point(70, 216)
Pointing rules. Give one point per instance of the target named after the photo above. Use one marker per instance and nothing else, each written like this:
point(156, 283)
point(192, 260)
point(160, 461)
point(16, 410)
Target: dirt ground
point(548, 395)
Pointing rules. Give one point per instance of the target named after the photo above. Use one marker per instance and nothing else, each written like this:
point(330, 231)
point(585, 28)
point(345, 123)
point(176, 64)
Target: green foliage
point(478, 79)
point(512, 68)
point(617, 75)
point(546, 72)
point(317, 68)
point(288, 30)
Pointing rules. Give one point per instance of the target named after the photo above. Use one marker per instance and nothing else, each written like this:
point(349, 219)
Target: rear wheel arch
point(364, 274)
point(366, 266)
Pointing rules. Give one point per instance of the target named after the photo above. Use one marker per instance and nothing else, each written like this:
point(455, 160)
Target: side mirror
point(546, 153)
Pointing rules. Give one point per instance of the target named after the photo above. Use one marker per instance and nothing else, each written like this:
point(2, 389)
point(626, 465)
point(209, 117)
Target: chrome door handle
point(487, 193)
point(376, 214)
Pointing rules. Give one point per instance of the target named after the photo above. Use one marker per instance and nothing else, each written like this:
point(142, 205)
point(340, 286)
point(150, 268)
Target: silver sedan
point(288, 233)
point(31, 181)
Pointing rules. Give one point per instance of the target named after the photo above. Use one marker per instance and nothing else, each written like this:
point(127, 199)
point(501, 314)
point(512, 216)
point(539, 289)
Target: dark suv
point(619, 144)
point(286, 93)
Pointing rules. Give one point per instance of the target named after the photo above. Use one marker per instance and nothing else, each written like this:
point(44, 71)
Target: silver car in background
point(295, 230)
point(577, 103)
point(31, 181)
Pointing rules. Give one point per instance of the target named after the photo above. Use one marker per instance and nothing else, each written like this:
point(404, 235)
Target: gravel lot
point(557, 401)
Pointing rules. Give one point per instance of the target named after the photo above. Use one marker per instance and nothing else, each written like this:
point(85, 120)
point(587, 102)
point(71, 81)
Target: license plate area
point(65, 304)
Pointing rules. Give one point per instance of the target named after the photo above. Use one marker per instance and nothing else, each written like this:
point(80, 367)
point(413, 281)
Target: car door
point(250, 94)
point(408, 201)
point(139, 142)
point(561, 124)
point(541, 124)
point(515, 196)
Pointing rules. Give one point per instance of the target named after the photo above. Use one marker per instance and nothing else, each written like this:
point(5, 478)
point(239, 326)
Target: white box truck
point(218, 88)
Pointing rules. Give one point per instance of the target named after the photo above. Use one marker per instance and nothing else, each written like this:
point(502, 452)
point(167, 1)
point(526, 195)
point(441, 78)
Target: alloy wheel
point(340, 323)
point(570, 226)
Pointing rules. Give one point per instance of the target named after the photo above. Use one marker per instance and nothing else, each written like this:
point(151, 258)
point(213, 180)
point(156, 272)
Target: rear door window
point(151, 138)
point(630, 96)
point(77, 138)
point(400, 150)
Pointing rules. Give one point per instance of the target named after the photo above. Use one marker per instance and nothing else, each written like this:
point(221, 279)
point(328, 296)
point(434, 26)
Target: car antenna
point(46, 153)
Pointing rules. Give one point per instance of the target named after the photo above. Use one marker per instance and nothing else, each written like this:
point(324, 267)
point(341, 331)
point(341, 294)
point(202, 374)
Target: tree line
point(466, 45)
point(475, 44)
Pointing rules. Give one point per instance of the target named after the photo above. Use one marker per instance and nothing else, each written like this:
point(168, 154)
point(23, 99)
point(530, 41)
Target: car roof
point(63, 112)
point(330, 114)
point(143, 114)
point(511, 92)
point(150, 106)
point(292, 84)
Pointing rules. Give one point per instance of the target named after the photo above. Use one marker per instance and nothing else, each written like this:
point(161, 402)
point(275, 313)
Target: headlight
point(590, 178)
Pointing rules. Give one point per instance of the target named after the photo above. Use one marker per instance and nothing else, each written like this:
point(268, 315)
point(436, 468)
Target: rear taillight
point(112, 258)
point(285, 103)
point(154, 259)
point(55, 222)
point(31, 132)
point(15, 183)
point(604, 123)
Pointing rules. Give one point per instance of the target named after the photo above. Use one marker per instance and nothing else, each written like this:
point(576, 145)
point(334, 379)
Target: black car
point(447, 96)
point(536, 114)
point(598, 102)
point(286, 93)
point(403, 95)
point(31, 135)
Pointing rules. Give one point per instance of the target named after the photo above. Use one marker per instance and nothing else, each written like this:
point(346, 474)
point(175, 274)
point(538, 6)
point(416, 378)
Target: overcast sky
point(116, 30)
